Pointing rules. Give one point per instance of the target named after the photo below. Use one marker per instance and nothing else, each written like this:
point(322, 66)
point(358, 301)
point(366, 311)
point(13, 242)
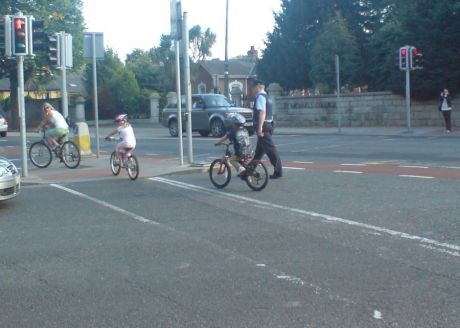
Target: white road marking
point(105, 204)
point(345, 164)
point(451, 249)
point(303, 162)
point(414, 166)
point(415, 176)
point(342, 171)
point(293, 168)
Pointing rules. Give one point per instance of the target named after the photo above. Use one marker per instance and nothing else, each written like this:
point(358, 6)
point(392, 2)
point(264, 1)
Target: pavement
point(94, 167)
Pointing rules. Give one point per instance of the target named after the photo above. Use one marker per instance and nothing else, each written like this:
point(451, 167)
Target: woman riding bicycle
point(126, 133)
point(59, 128)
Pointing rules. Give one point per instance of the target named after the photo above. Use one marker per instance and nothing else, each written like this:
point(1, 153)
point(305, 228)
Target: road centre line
point(451, 249)
point(105, 204)
point(300, 162)
point(415, 176)
point(414, 166)
point(293, 168)
point(353, 164)
point(352, 172)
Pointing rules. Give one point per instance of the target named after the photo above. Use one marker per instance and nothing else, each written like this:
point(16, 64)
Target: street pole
point(179, 104)
point(96, 110)
point(339, 113)
point(64, 99)
point(188, 88)
point(408, 99)
point(22, 115)
point(226, 54)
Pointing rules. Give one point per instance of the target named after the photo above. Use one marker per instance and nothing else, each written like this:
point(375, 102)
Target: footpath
point(97, 167)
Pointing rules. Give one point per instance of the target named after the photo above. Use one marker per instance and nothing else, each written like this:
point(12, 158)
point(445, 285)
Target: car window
point(216, 101)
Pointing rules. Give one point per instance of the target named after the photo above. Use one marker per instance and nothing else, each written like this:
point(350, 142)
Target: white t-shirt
point(58, 120)
point(445, 106)
point(127, 135)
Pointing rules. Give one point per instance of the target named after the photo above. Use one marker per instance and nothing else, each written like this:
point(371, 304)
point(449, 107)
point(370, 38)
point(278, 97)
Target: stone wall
point(373, 109)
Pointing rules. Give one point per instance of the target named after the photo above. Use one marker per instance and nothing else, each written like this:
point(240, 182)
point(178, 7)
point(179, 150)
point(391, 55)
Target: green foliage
point(201, 43)
point(366, 34)
point(335, 39)
point(58, 15)
point(118, 90)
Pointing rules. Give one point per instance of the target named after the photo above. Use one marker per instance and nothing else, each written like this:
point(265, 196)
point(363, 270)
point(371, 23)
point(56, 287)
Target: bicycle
point(256, 174)
point(41, 152)
point(127, 160)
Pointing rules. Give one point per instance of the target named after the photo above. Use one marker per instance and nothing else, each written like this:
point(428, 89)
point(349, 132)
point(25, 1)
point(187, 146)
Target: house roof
point(236, 67)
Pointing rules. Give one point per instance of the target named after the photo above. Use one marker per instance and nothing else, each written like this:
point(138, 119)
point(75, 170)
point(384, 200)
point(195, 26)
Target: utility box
point(81, 138)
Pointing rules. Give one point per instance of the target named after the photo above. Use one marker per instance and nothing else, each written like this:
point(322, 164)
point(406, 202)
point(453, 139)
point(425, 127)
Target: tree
point(431, 26)
point(335, 39)
point(201, 43)
point(58, 16)
point(118, 90)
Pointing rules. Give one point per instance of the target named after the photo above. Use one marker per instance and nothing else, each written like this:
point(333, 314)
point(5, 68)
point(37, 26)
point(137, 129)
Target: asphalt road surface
point(360, 232)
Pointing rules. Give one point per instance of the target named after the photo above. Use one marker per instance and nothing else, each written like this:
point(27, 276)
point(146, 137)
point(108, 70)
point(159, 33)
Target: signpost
point(93, 48)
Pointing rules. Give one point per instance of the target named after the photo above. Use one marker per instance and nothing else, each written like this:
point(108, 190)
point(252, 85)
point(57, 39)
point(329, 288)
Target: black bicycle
point(256, 174)
point(41, 152)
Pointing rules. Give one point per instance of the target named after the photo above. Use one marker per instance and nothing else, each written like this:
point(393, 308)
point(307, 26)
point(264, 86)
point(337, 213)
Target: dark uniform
point(265, 144)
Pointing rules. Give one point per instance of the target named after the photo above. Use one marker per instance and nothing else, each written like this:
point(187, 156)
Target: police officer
point(263, 123)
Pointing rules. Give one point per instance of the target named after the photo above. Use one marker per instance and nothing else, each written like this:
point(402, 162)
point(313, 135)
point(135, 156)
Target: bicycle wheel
point(220, 173)
point(257, 176)
point(115, 164)
point(70, 154)
point(40, 154)
point(132, 166)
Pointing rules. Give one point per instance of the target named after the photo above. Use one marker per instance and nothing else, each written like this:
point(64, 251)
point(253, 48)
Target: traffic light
point(54, 55)
point(39, 41)
point(5, 36)
point(20, 35)
point(404, 58)
point(416, 58)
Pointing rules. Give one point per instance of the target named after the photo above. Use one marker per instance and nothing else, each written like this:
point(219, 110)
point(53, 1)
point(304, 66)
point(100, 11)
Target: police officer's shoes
point(275, 176)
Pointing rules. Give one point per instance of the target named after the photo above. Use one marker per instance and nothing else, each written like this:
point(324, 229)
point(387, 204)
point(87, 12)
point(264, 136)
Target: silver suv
point(211, 114)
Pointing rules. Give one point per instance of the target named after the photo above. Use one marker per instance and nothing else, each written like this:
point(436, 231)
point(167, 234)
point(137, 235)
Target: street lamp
point(226, 54)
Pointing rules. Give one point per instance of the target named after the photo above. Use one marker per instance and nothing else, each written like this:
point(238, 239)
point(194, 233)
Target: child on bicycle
point(239, 136)
point(59, 127)
point(126, 133)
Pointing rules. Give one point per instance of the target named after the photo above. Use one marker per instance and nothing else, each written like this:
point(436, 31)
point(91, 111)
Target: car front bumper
point(10, 187)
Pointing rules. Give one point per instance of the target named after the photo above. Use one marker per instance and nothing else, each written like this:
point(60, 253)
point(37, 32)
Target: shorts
point(56, 133)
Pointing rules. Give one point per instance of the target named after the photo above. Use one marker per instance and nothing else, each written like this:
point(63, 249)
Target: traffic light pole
point(63, 67)
point(96, 110)
point(22, 115)
point(408, 99)
point(179, 105)
point(188, 88)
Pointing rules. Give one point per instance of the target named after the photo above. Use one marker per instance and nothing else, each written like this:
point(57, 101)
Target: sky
point(139, 24)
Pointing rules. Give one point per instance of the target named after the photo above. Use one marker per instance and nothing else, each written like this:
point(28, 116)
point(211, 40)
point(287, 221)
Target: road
point(360, 232)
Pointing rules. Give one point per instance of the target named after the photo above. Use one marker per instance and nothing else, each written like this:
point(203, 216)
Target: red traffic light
point(403, 51)
point(19, 24)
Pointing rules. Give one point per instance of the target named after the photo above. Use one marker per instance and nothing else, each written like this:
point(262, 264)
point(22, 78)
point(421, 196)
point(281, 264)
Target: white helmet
point(121, 117)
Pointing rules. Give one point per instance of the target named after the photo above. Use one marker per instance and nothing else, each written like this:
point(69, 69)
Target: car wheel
point(173, 128)
point(204, 133)
point(217, 128)
point(3, 134)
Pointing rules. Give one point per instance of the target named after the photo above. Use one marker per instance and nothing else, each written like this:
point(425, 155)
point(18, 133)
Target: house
point(241, 74)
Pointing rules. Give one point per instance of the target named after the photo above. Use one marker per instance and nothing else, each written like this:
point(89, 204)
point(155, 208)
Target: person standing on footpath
point(263, 123)
point(445, 107)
